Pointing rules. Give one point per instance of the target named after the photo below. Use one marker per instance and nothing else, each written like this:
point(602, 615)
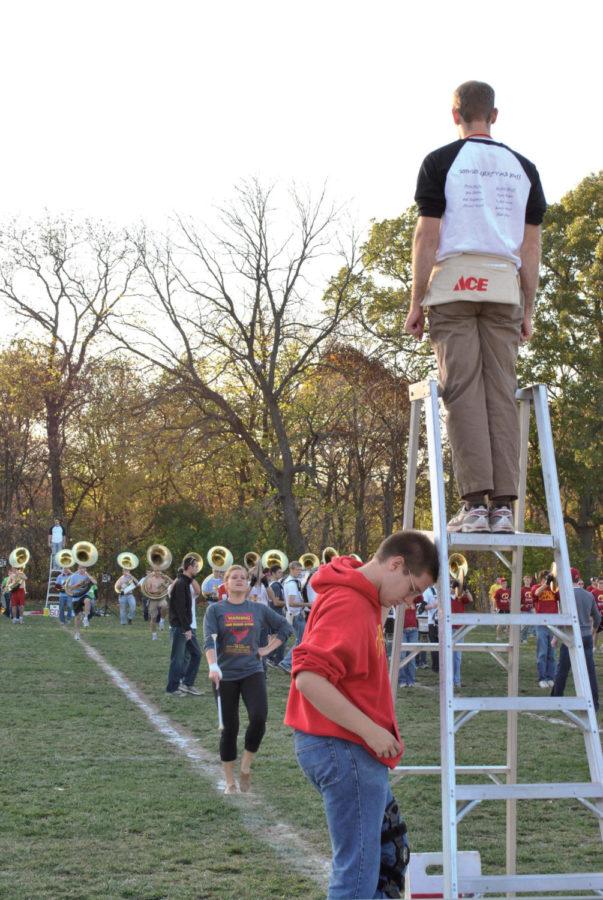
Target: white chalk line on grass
point(258, 818)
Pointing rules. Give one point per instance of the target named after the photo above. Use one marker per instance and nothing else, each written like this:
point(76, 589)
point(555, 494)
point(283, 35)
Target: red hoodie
point(344, 643)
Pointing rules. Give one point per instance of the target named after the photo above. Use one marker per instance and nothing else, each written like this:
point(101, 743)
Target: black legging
point(253, 691)
point(433, 639)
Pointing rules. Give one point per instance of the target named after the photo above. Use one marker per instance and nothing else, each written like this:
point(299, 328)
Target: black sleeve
point(429, 195)
point(180, 605)
point(536, 205)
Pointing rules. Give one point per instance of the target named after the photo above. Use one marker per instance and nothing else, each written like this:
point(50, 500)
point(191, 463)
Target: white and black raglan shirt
point(484, 193)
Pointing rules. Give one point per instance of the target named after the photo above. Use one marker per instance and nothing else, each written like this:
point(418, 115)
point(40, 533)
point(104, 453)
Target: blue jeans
point(545, 655)
point(355, 791)
point(457, 658)
point(407, 674)
point(564, 666)
point(65, 601)
point(180, 648)
point(127, 608)
point(299, 626)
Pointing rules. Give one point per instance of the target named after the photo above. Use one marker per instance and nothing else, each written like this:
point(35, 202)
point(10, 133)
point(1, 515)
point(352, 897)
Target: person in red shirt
point(341, 707)
point(597, 592)
point(527, 606)
point(407, 674)
point(502, 601)
point(546, 600)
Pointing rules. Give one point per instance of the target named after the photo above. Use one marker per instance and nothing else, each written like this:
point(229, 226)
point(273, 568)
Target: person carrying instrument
point(65, 601)
point(154, 587)
point(16, 590)
point(78, 586)
point(239, 624)
point(341, 707)
point(476, 256)
point(211, 584)
point(125, 585)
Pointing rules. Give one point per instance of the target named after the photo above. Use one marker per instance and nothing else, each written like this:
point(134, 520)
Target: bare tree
point(64, 281)
point(245, 320)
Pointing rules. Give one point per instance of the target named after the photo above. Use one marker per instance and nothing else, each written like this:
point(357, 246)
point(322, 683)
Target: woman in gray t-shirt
point(238, 672)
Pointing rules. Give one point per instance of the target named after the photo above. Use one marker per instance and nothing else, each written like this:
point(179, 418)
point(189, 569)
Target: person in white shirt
point(296, 607)
point(430, 596)
point(56, 537)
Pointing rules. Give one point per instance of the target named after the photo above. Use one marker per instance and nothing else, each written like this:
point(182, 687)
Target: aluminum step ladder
point(52, 595)
point(455, 711)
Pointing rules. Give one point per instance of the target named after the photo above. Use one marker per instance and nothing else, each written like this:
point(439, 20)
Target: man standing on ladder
point(476, 256)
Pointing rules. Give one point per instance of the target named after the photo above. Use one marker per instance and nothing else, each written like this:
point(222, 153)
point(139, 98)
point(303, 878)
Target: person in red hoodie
point(341, 707)
point(546, 600)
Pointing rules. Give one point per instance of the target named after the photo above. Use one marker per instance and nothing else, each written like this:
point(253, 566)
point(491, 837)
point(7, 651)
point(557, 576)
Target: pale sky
point(136, 109)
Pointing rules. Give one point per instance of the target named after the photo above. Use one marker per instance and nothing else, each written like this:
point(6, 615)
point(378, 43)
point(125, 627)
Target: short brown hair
point(419, 552)
point(474, 101)
point(231, 569)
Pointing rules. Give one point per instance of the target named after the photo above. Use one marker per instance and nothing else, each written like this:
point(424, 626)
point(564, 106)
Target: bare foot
point(231, 789)
point(245, 782)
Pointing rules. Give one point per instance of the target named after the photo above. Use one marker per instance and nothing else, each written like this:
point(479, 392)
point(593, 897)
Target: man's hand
point(415, 322)
point(382, 742)
point(526, 328)
point(188, 635)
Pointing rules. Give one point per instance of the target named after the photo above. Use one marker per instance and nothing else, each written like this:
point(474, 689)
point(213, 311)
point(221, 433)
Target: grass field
point(96, 803)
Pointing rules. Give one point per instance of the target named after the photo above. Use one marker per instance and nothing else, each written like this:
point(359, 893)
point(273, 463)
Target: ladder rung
point(473, 618)
point(544, 791)
point(486, 646)
point(498, 541)
point(460, 770)
point(501, 884)
point(520, 704)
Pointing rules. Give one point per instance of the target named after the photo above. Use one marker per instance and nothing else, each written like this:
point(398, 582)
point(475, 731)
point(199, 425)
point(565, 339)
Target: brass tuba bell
point(127, 560)
point(458, 567)
point(309, 561)
point(64, 558)
point(19, 557)
point(194, 555)
point(84, 554)
point(274, 558)
point(159, 557)
point(251, 559)
point(329, 554)
point(220, 558)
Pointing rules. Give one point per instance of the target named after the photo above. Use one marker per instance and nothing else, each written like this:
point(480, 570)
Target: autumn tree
point(239, 317)
point(62, 281)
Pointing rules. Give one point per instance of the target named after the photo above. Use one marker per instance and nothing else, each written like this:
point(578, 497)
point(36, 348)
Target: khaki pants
point(476, 348)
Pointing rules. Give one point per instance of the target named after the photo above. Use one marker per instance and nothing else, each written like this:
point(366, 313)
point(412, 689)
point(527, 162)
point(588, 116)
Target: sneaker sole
point(502, 529)
point(475, 529)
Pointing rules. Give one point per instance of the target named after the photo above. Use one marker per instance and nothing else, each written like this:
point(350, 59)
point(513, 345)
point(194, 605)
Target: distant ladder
point(51, 591)
point(460, 799)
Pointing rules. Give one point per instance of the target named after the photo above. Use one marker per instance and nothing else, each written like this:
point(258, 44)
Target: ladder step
point(545, 791)
point(520, 704)
point(472, 618)
point(502, 884)
point(460, 770)
point(498, 541)
point(493, 645)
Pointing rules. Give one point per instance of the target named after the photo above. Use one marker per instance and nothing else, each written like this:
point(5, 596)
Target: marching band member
point(126, 584)
point(210, 585)
point(16, 589)
point(296, 609)
point(157, 607)
point(79, 586)
point(238, 623)
point(65, 601)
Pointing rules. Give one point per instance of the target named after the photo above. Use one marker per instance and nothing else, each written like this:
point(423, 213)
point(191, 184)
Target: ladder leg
point(411, 465)
point(568, 603)
point(515, 638)
point(408, 522)
point(447, 740)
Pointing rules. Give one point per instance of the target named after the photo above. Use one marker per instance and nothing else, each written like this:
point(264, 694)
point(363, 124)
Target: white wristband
point(214, 667)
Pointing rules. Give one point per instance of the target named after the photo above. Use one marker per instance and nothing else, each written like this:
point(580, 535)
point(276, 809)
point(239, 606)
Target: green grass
point(96, 804)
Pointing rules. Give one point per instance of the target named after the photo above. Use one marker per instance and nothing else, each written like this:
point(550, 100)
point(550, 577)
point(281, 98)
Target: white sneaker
point(85, 622)
point(76, 636)
point(470, 519)
point(501, 520)
point(551, 683)
point(543, 684)
point(154, 636)
point(161, 625)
